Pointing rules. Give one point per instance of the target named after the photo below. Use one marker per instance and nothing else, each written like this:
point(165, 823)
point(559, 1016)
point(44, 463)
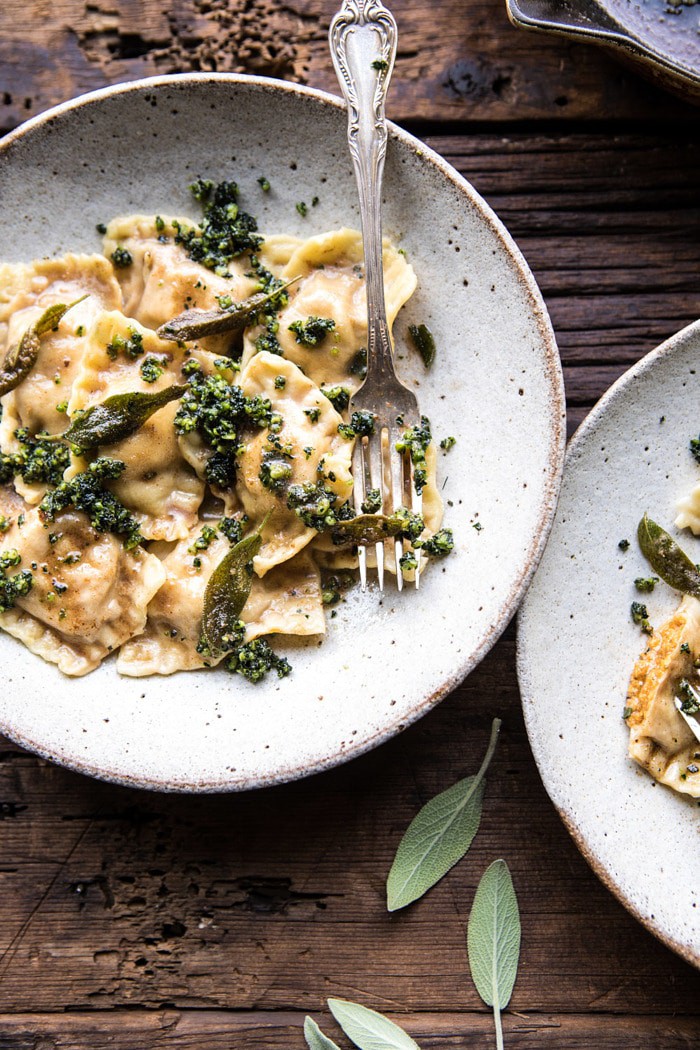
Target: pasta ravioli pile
point(137, 455)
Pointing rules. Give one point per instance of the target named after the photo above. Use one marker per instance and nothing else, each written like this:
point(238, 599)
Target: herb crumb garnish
point(264, 184)
point(152, 368)
point(624, 545)
point(302, 208)
point(122, 258)
point(312, 331)
point(646, 584)
point(640, 616)
point(447, 443)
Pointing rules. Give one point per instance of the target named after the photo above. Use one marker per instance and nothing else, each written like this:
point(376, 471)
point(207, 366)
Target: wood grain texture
point(609, 224)
point(282, 1030)
point(468, 63)
point(275, 899)
point(129, 919)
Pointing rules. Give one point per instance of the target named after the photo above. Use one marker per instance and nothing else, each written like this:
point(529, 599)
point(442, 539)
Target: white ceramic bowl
point(577, 644)
point(496, 386)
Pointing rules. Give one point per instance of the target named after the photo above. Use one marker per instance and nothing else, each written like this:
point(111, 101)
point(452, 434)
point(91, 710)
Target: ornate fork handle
point(363, 47)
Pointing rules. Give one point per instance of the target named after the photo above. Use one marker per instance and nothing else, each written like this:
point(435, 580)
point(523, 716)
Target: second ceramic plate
point(577, 643)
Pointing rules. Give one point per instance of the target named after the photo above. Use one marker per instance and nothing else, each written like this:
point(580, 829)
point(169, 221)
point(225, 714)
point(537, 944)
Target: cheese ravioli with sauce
point(114, 548)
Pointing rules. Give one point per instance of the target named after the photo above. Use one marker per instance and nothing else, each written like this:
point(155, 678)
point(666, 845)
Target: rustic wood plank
point(609, 224)
point(469, 63)
point(220, 1030)
point(275, 899)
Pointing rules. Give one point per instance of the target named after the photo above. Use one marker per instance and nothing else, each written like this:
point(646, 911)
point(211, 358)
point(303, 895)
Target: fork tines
point(378, 466)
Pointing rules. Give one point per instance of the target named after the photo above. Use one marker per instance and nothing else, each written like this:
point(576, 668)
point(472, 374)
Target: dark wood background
point(134, 921)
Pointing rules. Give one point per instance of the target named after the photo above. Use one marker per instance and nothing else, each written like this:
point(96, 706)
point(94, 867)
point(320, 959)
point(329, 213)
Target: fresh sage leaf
point(493, 940)
point(667, 559)
point(315, 1038)
point(195, 324)
point(438, 836)
point(117, 417)
point(368, 1029)
point(21, 358)
point(227, 592)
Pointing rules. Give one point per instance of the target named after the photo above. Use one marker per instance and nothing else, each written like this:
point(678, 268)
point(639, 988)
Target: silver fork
point(363, 47)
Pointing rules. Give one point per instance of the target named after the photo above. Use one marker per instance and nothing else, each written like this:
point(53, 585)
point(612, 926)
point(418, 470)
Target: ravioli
point(162, 280)
point(329, 557)
point(287, 601)
point(333, 287)
point(89, 594)
point(688, 508)
point(660, 740)
point(34, 286)
point(316, 452)
point(160, 488)
point(25, 292)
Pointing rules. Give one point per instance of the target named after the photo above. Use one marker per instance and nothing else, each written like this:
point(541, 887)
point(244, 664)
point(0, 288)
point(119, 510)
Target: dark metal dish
point(662, 39)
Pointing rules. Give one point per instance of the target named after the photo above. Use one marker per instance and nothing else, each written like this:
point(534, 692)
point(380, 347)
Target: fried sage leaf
point(366, 529)
point(21, 358)
point(439, 836)
point(227, 592)
point(195, 324)
point(667, 559)
point(423, 341)
point(117, 417)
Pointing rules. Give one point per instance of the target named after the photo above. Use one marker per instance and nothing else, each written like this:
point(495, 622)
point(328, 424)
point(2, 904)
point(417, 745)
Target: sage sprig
point(438, 836)
point(117, 417)
point(21, 358)
point(195, 324)
point(493, 940)
point(227, 592)
point(667, 558)
point(315, 1038)
point(368, 1029)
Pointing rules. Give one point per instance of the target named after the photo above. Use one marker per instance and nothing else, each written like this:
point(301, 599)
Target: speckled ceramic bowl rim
point(529, 701)
point(555, 456)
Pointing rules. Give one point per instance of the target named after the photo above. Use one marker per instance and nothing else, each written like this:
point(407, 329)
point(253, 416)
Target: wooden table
point(131, 920)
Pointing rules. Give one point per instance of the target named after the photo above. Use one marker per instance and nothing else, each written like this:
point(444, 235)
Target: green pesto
point(313, 331)
point(131, 347)
point(13, 587)
point(640, 616)
point(339, 397)
point(372, 502)
point(362, 423)
point(226, 231)
point(255, 660)
point(646, 584)
point(414, 442)
point(219, 411)
point(121, 258)
point(438, 545)
point(87, 492)
point(152, 368)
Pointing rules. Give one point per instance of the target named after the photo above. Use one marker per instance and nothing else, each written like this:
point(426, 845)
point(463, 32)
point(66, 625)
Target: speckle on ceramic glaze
point(641, 841)
point(371, 689)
